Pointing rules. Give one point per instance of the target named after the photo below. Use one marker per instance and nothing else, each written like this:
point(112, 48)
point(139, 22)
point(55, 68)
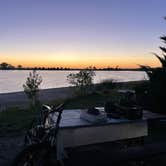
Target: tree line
point(7, 66)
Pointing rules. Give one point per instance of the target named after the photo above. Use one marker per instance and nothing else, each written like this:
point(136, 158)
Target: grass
point(95, 99)
point(17, 120)
point(130, 85)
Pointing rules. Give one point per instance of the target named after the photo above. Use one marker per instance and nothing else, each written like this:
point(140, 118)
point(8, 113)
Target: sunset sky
point(80, 33)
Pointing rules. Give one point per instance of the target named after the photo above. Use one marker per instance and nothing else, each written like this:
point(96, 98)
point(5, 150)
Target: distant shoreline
point(75, 69)
point(52, 69)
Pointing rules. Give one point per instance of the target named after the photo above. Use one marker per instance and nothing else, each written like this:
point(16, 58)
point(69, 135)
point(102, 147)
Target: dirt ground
point(20, 99)
point(9, 146)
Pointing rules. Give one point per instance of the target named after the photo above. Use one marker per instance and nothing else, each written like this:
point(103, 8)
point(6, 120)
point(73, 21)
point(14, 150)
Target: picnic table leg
point(61, 154)
point(136, 141)
point(132, 142)
point(142, 140)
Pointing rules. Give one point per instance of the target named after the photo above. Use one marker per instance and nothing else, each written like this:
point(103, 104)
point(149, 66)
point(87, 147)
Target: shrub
point(142, 94)
point(107, 84)
point(157, 82)
point(82, 81)
point(156, 91)
point(31, 89)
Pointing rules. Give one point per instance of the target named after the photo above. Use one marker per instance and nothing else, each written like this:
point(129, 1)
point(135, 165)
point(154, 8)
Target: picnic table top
point(71, 119)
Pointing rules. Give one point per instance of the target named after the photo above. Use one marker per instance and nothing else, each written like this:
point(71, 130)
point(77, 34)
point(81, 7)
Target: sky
point(81, 33)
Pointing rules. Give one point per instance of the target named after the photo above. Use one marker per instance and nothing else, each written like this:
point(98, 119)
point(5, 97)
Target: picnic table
point(75, 131)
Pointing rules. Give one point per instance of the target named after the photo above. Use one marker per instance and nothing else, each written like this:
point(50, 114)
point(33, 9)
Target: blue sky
point(81, 32)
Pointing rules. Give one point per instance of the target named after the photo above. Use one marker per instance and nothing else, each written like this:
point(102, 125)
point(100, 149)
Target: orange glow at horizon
point(81, 61)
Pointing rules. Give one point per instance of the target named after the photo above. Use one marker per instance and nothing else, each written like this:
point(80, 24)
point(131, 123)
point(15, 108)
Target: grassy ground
point(16, 119)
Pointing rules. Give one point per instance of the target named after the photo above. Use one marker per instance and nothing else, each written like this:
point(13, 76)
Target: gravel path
point(20, 99)
point(9, 147)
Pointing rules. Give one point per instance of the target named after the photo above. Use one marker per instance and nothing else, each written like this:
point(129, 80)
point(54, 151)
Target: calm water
point(12, 81)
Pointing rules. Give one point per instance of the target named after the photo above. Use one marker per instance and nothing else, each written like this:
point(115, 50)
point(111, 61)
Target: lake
point(12, 80)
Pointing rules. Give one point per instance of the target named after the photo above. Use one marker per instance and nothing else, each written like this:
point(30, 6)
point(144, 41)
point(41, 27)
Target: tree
point(31, 88)
point(6, 66)
point(83, 80)
point(19, 67)
point(156, 91)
